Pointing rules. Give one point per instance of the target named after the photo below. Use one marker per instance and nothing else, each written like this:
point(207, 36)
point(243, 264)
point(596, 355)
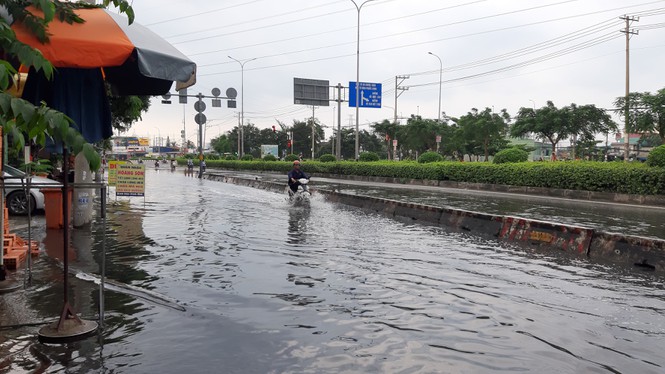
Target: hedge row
point(631, 178)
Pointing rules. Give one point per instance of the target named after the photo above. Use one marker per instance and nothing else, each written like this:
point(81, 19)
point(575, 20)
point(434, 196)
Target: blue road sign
point(370, 95)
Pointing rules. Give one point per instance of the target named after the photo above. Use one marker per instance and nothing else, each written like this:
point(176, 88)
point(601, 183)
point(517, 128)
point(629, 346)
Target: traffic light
point(288, 144)
point(182, 134)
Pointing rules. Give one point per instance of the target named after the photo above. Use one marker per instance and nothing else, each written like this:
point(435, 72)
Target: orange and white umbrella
point(135, 60)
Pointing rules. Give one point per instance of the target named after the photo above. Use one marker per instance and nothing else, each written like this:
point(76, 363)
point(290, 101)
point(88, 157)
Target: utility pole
point(399, 90)
point(313, 132)
point(339, 121)
point(239, 136)
point(332, 139)
point(628, 31)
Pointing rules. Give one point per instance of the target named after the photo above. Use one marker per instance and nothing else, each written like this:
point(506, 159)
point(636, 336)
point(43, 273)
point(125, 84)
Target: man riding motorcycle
point(294, 175)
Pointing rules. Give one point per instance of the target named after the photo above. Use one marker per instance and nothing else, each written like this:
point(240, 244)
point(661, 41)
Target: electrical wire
point(402, 46)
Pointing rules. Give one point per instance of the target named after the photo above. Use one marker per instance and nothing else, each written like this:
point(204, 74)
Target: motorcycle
point(302, 195)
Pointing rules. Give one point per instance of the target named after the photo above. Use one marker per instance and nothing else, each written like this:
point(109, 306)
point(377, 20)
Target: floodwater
point(640, 220)
point(209, 277)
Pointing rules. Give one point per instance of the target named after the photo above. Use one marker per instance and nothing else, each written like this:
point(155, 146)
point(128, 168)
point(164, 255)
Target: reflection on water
point(266, 287)
point(298, 222)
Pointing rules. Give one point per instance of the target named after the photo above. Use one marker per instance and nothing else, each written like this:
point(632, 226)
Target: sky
point(499, 54)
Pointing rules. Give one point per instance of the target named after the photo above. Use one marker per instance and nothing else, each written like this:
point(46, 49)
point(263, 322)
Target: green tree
point(647, 112)
point(586, 121)
point(387, 132)
point(556, 124)
point(484, 131)
point(419, 135)
point(222, 144)
point(126, 110)
point(302, 136)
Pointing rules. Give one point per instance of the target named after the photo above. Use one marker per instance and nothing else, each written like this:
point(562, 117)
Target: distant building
point(126, 147)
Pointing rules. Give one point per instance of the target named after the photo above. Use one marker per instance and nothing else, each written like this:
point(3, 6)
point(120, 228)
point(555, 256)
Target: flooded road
point(640, 220)
point(216, 278)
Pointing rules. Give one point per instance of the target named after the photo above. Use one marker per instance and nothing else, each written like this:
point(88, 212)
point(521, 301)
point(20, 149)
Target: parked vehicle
point(14, 184)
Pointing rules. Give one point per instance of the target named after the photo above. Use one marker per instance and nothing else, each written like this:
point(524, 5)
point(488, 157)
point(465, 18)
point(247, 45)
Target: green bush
point(616, 177)
point(327, 158)
point(269, 158)
point(247, 157)
point(291, 157)
point(368, 157)
point(230, 157)
point(212, 157)
point(511, 155)
point(657, 156)
point(430, 157)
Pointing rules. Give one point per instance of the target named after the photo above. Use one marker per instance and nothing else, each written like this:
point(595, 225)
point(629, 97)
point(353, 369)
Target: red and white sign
point(438, 138)
point(394, 142)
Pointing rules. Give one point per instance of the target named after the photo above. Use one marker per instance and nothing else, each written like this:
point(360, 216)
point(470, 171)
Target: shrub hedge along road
point(628, 178)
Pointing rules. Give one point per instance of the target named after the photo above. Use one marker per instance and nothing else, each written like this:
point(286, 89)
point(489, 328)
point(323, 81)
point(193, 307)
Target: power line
point(405, 45)
point(421, 29)
point(203, 13)
point(333, 31)
point(244, 22)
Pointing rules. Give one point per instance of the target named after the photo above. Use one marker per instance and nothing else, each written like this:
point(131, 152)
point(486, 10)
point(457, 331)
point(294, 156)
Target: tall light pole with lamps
point(241, 151)
point(440, 76)
point(159, 148)
point(358, 8)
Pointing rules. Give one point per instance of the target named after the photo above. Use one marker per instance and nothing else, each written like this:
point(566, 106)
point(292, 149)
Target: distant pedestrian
point(190, 167)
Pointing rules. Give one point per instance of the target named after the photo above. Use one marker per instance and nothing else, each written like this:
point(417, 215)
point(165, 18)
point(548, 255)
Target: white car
point(14, 183)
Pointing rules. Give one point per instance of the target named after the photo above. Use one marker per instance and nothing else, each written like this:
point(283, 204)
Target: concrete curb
point(645, 254)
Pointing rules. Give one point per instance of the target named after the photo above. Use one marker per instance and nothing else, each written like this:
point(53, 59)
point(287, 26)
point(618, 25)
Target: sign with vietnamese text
point(113, 171)
point(130, 180)
point(369, 95)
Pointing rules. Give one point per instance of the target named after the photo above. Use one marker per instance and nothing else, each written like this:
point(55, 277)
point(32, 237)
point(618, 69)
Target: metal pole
point(103, 269)
point(440, 77)
point(628, 32)
point(239, 124)
point(313, 133)
point(396, 85)
point(357, 146)
point(65, 223)
point(159, 143)
point(200, 97)
point(242, 109)
point(241, 150)
point(332, 139)
point(339, 121)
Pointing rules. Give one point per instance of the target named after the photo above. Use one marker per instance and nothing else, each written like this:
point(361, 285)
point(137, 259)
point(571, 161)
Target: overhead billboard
point(311, 92)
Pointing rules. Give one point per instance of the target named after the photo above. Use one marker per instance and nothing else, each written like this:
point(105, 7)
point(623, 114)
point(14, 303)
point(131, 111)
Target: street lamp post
point(440, 76)
point(159, 140)
point(534, 104)
point(241, 150)
point(358, 8)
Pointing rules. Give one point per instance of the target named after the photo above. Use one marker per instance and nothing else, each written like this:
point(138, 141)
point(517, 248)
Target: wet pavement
point(215, 278)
